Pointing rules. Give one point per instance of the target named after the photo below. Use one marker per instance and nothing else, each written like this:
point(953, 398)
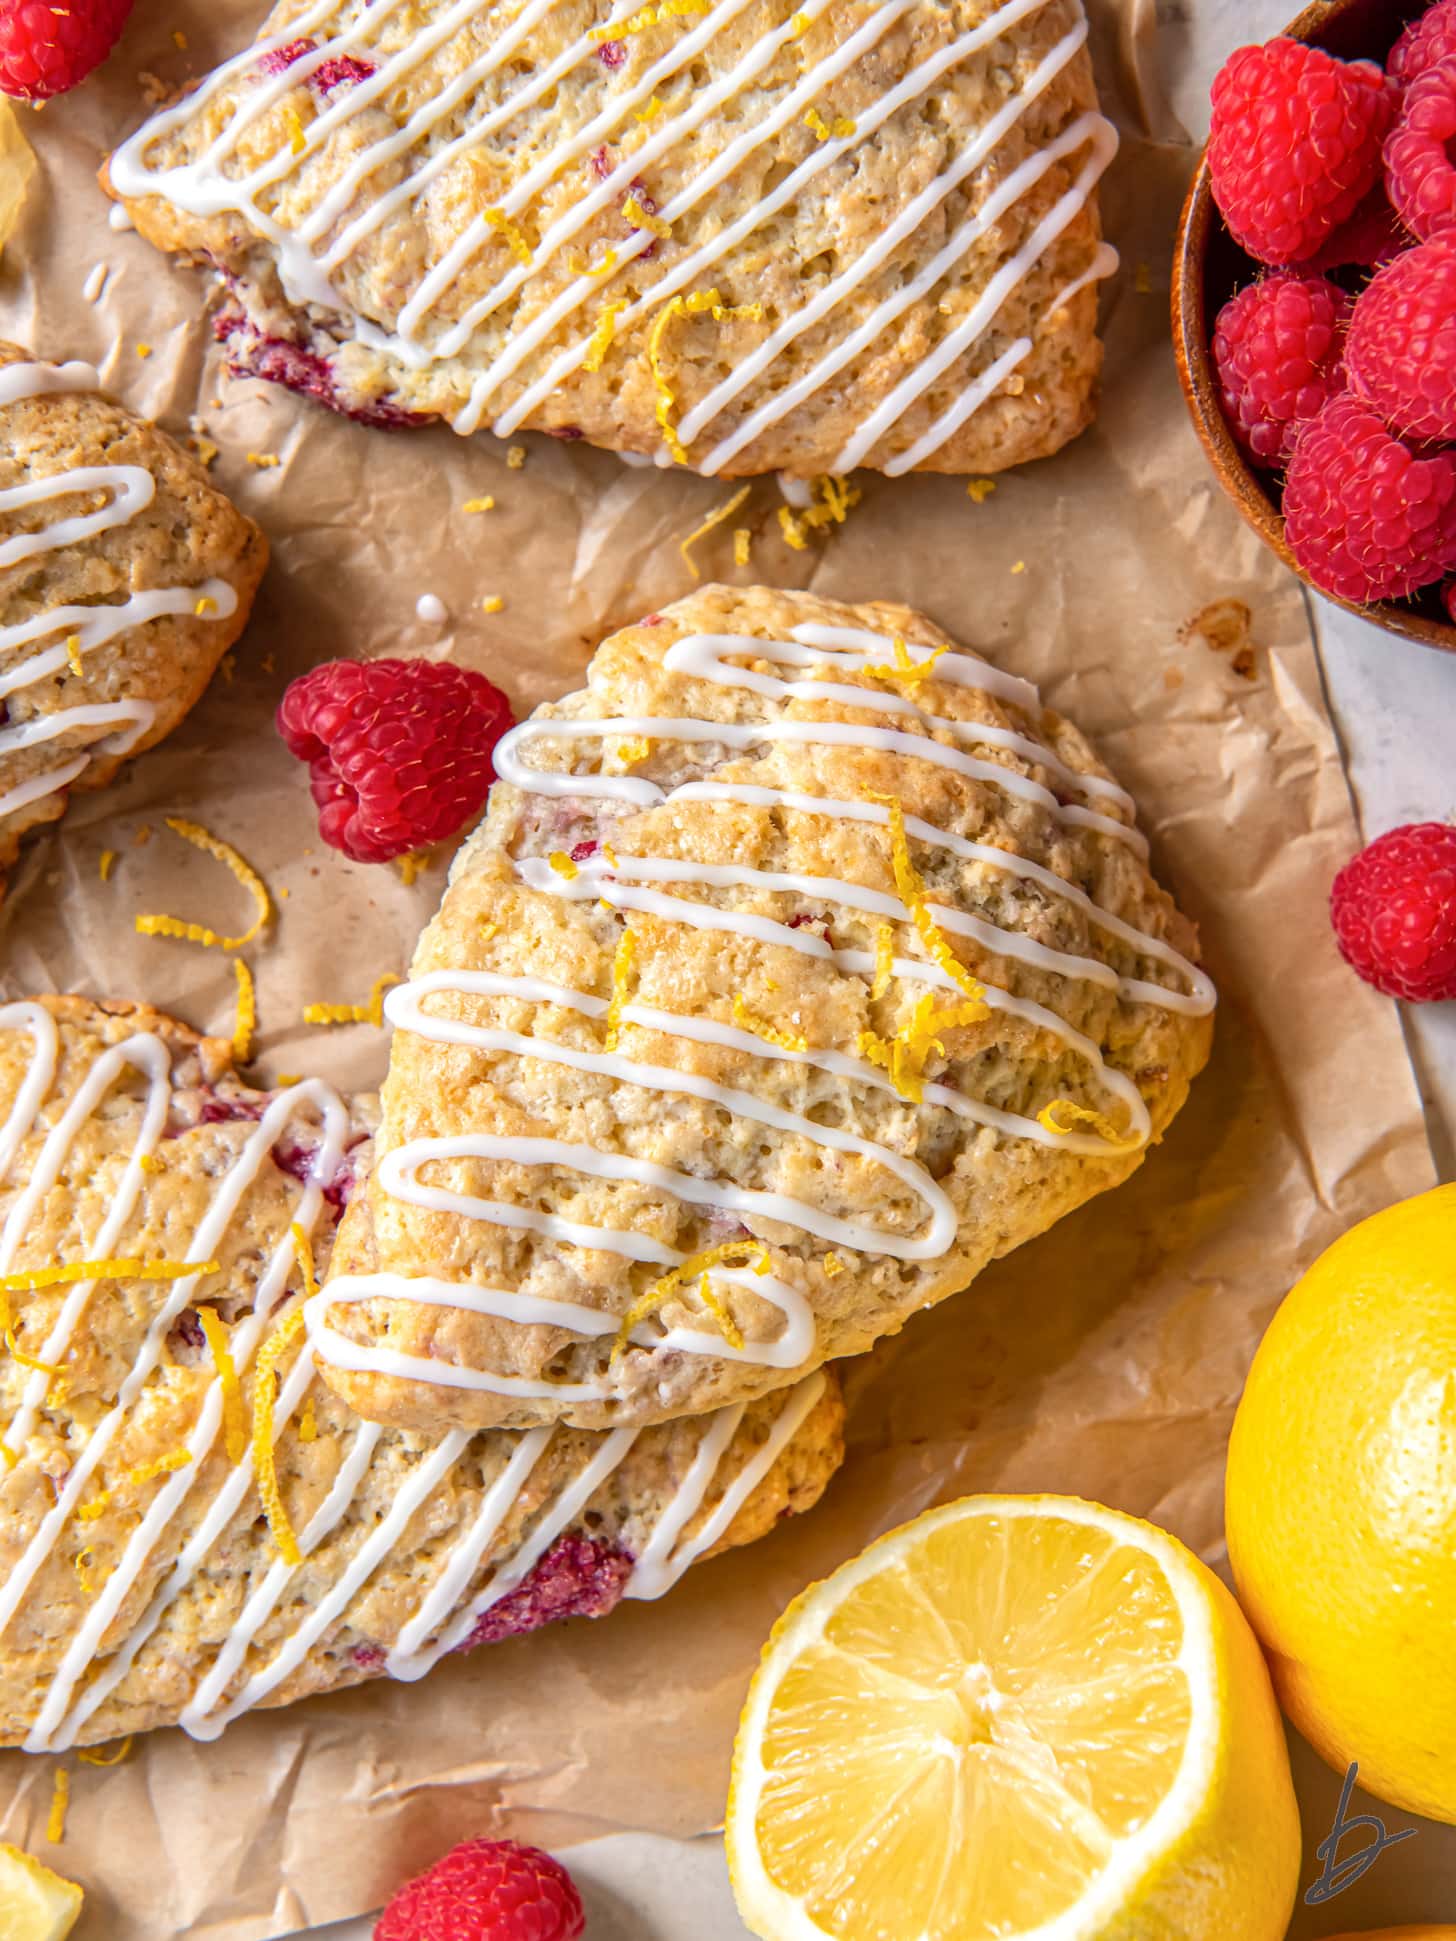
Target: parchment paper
point(1104, 1359)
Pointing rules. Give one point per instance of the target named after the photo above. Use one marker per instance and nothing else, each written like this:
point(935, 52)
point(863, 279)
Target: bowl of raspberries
point(1314, 303)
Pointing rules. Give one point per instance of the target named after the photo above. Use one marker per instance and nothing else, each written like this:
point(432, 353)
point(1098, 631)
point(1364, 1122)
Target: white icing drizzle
point(95, 282)
point(618, 881)
point(126, 490)
point(315, 248)
point(432, 610)
point(453, 1603)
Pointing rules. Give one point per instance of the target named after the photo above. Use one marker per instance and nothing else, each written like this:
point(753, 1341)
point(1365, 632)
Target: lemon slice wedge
point(35, 1904)
point(1014, 1716)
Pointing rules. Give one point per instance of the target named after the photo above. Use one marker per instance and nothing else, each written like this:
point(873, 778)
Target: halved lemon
point(1014, 1716)
point(35, 1904)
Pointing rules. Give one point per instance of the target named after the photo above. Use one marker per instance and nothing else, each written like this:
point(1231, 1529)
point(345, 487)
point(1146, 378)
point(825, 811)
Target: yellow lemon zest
point(650, 112)
point(632, 748)
point(265, 1469)
point(30, 1280)
point(73, 655)
point(370, 1013)
point(724, 511)
point(234, 1413)
point(487, 504)
point(79, 1564)
point(29, 1361)
point(1060, 1109)
point(905, 670)
point(732, 1253)
point(641, 218)
point(1019, 567)
point(604, 336)
point(742, 546)
point(980, 489)
point(609, 855)
point(666, 399)
point(833, 1266)
point(144, 350)
point(303, 1254)
point(563, 865)
point(175, 1459)
point(884, 960)
point(409, 867)
point(94, 1756)
point(911, 887)
point(786, 1040)
point(307, 1423)
point(840, 129)
point(247, 1013)
point(205, 606)
point(285, 1079)
point(580, 266)
point(834, 498)
point(715, 1305)
point(488, 930)
point(621, 986)
point(510, 233)
point(515, 457)
point(792, 527)
point(646, 17)
point(203, 839)
point(150, 1163)
point(60, 1800)
point(108, 861)
point(293, 120)
point(264, 461)
point(799, 26)
point(492, 603)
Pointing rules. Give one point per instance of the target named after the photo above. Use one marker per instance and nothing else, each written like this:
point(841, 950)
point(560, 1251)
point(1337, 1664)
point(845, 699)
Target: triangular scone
point(801, 966)
point(141, 1583)
point(743, 235)
point(125, 576)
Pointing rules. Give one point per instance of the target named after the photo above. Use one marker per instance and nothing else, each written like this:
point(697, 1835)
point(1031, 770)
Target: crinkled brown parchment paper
point(1105, 1359)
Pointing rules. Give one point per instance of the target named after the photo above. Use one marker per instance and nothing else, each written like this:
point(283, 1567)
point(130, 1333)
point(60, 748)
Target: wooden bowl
point(1208, 266)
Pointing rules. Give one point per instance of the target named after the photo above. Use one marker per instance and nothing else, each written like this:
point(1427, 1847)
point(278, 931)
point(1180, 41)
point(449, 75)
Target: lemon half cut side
point(1014, 1717)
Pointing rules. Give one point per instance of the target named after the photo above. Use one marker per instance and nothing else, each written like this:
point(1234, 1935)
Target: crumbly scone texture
point(189, 534)
point(1004, 1188)
point(461, 209)
point(210, 1118)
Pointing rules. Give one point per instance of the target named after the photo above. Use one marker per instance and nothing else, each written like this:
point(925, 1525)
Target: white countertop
point(1394, 705)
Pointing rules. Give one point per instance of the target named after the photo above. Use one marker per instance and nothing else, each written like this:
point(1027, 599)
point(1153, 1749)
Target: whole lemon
point(1341, 1503)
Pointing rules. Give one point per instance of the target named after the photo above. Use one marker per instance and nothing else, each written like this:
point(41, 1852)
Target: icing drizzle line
point(454, 1600)
point(314, 248)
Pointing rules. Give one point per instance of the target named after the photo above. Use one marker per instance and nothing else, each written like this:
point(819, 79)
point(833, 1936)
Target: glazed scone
point(125, 576)
point(746, 236)
point(141, 1582)
point(801, 966)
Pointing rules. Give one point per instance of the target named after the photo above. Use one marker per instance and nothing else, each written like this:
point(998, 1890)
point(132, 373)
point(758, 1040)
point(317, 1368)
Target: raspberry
point(1394, 911)
point(486, 1890)
point(46, 50)
point(1294, 144)
point(1419, 173)
point(399, 751)
point(1402, 343)
point(1365, 517)
point(1279, 349)
point(341, 71)
point(1429, 39)
point(1373, 236)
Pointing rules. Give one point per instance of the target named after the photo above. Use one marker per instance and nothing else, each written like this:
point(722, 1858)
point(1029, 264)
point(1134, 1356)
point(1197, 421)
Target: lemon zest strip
point(265, 1469)
point(200, 838)
point(742, 546)
point(308, 1423)
point(604, 336)
point(732, 1253)
point(175, 1459)
point(60, 1800)
point(641, 218)
point(234, 1413)
point(247, 1013)
point(884, 960)
point(786, 1040)
point(108, 861)
point(73, 655)
point(93, 1756)
point(563, 865)
point(370, 1013)
point(621, 976)
point(905, 670)
point(510, 233)
point(1083, 1115)
point(833, 1266)
point(29, 1361)
point(724, 511)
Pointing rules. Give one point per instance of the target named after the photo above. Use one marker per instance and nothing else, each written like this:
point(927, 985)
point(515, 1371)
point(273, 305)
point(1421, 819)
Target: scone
point(802, 965)
point(745, 236)
point(147, 1579)
point(124, 578)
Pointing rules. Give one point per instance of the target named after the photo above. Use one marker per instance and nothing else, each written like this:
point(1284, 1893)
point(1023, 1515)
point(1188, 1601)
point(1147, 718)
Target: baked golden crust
point(131, 686)
point(73, 1535)
point(762, 1031)
point(880, 223)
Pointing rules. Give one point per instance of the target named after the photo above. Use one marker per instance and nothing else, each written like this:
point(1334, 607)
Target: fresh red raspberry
point(486, 1890)
point(1294, 144)
point(1401, 348)
point(1279, 349)
point(1365, 517)
point(1429, 39)
point(1419, 173)
point(399, 751)
point(1373, 236)
point(47, 49)
point(1394, 911)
